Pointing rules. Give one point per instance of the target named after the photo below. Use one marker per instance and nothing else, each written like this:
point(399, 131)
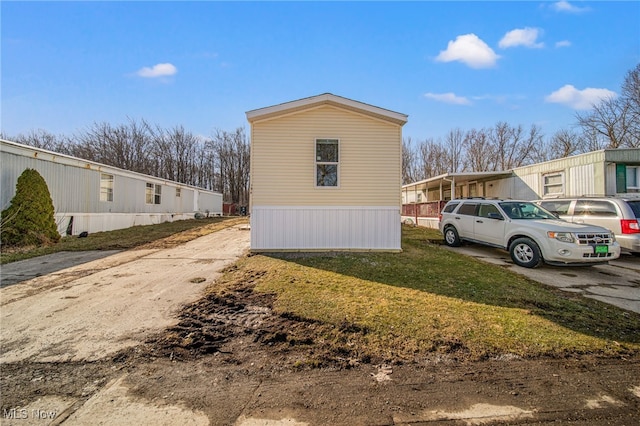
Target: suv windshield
point(520, 210)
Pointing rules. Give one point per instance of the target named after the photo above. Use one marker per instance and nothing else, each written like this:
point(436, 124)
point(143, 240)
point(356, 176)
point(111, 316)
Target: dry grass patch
point(428, 300)
point(163, 235)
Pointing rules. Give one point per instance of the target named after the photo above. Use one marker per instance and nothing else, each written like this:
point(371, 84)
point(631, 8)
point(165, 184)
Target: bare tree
point(176, 152)
point(513, 147)
point(630, 95)
point(433, 159)
point(614, 122)
point(127, 146)
point(409, 162)
point(42, 139)
point(479, 151)
point(231, 164)
point(607, 120)
point(565, 143)
point(454, 143)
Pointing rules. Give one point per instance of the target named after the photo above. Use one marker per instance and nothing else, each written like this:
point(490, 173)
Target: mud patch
point(237, 321)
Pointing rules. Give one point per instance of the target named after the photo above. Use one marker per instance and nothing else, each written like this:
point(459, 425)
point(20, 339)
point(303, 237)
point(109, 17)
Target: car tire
point(525, 252)
point(451, 237)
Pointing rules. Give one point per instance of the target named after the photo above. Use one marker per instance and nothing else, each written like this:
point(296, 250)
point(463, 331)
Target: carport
point(423, 201)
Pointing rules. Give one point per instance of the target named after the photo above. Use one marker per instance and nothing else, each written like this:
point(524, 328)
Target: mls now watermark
point(24, 414)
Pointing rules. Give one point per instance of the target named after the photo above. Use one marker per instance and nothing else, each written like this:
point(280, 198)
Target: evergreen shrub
point(29, 218)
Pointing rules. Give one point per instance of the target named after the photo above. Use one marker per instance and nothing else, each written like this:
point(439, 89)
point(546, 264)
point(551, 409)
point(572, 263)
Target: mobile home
point(325, 175)
point(607, 172)
point(92, 197)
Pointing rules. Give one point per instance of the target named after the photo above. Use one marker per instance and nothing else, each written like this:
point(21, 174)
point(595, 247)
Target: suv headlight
point(565, 237)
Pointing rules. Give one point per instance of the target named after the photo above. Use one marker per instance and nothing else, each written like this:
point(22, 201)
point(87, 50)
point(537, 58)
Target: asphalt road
point(22, 270)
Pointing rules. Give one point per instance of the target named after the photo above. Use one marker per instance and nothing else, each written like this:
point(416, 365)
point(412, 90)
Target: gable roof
point(326, 99)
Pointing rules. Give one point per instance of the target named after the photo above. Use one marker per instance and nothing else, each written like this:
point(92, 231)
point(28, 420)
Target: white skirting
point(100, 222)
point(320, 228)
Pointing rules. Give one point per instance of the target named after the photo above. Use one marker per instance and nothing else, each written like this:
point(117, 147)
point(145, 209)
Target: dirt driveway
point(129, 339)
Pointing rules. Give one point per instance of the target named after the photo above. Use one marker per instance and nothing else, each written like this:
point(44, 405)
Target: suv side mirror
point(496, 216)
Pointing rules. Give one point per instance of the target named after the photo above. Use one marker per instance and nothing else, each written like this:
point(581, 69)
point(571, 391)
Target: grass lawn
point(430, 300)
point(122, 239)
point(398, 306)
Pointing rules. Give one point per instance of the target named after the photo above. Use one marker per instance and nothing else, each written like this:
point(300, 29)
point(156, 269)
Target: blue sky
point(66, 65)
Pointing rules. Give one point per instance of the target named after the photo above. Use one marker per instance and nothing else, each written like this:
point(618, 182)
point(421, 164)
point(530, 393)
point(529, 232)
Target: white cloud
point(526, 37)
point(470, 50)
point(448, 98)
point(563, 43)
point(565, 6)
point(579, 99)
point(158, 70)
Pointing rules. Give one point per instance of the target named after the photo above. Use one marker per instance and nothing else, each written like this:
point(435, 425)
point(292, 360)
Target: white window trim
point(316, 163)
point(562, 184)
point(637, 173)
point(106, 190)
point(156, 191)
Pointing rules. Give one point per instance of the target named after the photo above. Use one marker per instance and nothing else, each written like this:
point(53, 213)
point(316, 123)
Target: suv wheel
point(451, 237)
point(524, 252)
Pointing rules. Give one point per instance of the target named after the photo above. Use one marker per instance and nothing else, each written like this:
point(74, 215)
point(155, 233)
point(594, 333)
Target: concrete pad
point(22, 270)
point(113, 406)
point(89, 312)
point(477, 414)
point(616, 283)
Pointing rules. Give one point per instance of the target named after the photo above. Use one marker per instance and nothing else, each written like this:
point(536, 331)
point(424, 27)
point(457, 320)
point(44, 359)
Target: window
point(557, 207)
point(633, 178)
point(327, 162)
point(485, 209)
point(473, 189)
point(525, 210)
point(450, 207)
point(178, 192)
point(106, 187)
point(553, 184)
point(419, 200)
point(594, 208)
point(153, 193)
point(468, 209)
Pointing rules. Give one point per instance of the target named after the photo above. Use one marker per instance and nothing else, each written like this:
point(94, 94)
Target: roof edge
point(325, 98)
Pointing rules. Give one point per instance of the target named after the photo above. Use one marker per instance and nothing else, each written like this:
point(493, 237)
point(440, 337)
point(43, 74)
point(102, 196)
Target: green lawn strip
point(430, 299)
point(120, 239)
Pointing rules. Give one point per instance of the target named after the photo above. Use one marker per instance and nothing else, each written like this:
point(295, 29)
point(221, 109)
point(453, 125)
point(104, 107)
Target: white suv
point(530, 233)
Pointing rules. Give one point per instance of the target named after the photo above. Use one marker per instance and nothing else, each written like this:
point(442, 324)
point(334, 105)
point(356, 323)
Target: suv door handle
point(457, 218)
point(479, 221)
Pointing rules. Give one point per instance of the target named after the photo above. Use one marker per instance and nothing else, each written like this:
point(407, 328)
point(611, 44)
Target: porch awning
point(457, 178)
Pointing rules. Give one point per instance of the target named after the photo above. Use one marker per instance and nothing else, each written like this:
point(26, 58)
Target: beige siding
point(370, 159)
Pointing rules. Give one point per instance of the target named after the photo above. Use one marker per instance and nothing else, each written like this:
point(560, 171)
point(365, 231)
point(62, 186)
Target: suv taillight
point(440, 217)
point(630, 226)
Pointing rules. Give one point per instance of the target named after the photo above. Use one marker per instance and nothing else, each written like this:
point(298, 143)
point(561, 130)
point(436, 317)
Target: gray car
point(618, 214)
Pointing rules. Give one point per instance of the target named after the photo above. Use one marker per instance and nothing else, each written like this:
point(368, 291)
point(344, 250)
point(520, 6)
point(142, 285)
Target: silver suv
point(530, 233)
point(620, 215)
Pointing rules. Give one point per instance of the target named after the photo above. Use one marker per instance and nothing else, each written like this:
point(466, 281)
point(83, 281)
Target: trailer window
point(153, 193)
point(327, 162)
point(106, 187)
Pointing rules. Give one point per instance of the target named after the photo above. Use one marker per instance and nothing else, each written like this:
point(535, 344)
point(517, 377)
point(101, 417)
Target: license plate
point(602, 249)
